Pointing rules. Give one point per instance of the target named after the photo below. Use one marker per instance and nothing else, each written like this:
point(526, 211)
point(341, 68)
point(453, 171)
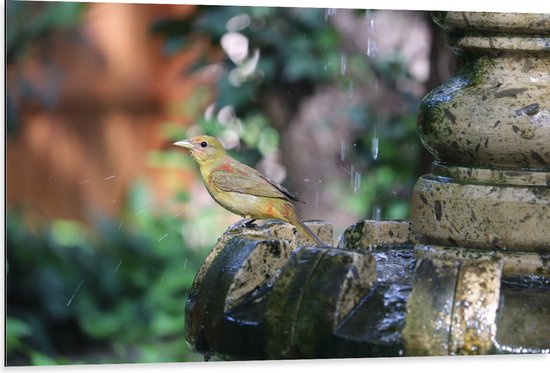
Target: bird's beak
point(184, 144)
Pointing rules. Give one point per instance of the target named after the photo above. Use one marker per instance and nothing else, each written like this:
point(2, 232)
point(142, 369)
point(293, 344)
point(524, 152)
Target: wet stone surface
point(531, 267)
point(493, 22)
point(483, 216)
point(523, 319)
point(375, 327)
point(316, 302)
point(371, 233)
point(429, 309)
point(476, 300)
point(340, 280)
point(389, 300)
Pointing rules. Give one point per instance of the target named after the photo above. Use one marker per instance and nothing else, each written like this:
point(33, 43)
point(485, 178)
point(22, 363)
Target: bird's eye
point(204, 144)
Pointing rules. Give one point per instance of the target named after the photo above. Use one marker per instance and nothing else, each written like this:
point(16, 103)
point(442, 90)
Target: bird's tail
point(305, 230)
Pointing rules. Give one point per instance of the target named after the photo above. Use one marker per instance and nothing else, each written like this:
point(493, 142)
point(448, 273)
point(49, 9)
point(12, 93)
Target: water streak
point(343, 64)
point(343, 149)
point(374, 145)
point(357, 181)
point(376, 212)
point(74, 293)
point(329, 12)
point(372, 44)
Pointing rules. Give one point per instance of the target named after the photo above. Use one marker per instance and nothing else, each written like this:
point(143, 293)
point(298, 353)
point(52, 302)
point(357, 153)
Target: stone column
point(489, 129)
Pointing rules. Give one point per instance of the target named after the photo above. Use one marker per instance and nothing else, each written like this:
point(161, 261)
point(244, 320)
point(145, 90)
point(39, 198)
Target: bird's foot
point(243, 223)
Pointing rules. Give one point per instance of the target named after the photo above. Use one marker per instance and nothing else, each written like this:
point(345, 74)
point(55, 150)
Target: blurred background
point(107, 223)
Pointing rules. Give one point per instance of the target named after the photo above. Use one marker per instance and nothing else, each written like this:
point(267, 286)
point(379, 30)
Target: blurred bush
point(114, 293)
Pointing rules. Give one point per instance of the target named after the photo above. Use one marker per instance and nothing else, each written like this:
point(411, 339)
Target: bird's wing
point(249, 182)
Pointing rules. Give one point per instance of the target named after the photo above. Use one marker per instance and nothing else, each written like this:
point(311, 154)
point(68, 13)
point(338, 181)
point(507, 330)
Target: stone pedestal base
point(481, 208)
point(262, 295)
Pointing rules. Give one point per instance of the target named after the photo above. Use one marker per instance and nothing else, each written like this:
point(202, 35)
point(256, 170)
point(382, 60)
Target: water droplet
point(79, 285)
point(374, 145)
point(329, 12)
point(372, 47)
point(343, 149)
point(372, 44)
point(376, 212)
point(70, 301)
point(343, 64)
point(74, 293)
point(357, 181)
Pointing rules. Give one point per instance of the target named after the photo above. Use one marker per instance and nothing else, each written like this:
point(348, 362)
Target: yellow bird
point(240, 188)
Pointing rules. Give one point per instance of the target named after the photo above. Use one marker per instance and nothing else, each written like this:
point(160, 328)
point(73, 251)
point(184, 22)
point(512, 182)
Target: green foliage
point(298, 49)
point(118, 291)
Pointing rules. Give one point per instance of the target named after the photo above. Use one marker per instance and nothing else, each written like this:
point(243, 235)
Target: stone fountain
point(469, 274)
